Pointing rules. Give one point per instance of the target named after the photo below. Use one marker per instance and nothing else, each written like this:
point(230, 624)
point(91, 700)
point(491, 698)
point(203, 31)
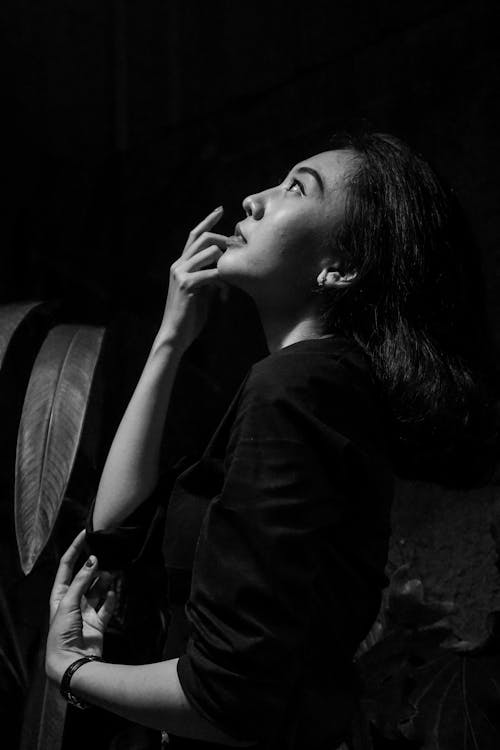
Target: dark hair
point(412, 308)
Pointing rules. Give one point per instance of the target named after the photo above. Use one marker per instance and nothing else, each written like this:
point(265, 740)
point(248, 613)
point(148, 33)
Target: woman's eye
point(296, 186)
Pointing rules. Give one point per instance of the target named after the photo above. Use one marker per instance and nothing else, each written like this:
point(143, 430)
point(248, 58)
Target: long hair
point(414, 308)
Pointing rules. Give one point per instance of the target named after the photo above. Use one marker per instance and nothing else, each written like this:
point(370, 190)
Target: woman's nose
point(253, 206)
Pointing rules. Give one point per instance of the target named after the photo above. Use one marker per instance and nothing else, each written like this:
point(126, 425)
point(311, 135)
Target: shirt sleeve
point(120, 547)
point(258, 557)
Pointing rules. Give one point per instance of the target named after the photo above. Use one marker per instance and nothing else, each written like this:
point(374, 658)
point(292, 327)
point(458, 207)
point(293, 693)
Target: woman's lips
point(238, 233)
point(235, 240)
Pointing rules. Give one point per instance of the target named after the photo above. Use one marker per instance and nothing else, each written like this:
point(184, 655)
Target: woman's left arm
point(148, 694)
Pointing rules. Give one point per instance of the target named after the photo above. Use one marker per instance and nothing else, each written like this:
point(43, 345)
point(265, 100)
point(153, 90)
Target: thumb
point(107, 609)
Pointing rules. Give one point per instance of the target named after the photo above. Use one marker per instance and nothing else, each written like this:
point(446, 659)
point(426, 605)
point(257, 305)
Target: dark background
point(124, 123)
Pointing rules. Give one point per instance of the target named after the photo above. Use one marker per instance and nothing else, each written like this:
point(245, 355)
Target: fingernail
point(219, 208)
point(91, 561)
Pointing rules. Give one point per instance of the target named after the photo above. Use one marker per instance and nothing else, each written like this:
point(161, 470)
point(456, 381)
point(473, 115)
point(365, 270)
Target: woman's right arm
point(131, 470)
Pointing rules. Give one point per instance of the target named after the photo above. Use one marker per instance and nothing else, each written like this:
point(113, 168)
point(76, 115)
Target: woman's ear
point(331, 278)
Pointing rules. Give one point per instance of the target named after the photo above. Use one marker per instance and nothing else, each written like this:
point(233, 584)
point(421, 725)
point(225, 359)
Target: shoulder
point(326, 384)
point(311, 366)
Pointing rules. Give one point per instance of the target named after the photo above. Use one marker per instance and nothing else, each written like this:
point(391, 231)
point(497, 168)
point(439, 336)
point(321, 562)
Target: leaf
point(418, 688)
point(11, 317)
point(457, 703)
point(45, 709)
point(10, 650)
point(50, 430)
point(386, 675)
point(406, 605)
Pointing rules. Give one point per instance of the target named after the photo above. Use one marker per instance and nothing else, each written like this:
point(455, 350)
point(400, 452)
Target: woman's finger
point(205, 240)
point(107, 609)
point(197, 279)
point(208, 222)
point(99, 588)
point(81, 583)
point(67, 563)
point(209, 255)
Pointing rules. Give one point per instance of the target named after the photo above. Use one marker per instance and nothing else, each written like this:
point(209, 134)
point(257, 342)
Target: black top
point(285, 522)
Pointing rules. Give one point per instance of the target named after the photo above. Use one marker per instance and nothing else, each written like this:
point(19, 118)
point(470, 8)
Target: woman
point(354, 268)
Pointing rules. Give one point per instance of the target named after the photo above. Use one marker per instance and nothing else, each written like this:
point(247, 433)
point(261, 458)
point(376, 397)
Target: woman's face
point(284, 242)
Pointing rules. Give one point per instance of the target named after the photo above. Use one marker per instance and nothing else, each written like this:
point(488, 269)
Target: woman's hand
point(77, 623)
point(192, 284)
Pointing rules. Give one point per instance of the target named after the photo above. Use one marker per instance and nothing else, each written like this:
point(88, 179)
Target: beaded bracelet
point(66, 679)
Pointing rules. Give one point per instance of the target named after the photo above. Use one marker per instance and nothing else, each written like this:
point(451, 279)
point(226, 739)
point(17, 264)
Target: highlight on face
point(284, 242)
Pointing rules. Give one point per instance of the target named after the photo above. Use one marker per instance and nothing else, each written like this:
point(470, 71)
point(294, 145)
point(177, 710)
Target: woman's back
point(289, 565)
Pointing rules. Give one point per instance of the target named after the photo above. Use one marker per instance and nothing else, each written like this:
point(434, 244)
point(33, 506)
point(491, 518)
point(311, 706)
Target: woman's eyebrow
point(315, 174)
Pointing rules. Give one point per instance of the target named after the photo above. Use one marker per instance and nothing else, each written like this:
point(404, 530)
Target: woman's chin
point(229, 264)
point(234, 274)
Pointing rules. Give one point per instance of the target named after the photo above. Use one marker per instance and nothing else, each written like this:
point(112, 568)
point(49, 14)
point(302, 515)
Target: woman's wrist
point(57, 664)
point(169, 342)
point(65, 687)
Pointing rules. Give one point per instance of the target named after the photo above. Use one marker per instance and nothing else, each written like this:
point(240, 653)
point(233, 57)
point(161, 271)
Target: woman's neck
point(283, 330)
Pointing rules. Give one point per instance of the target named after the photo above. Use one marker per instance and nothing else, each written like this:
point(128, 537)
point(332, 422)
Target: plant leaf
point(457, 703)
point(12, 316)
point(44, 711)
point(50, 430)
point(417, 688)
point(407, 606)
point(13, 656)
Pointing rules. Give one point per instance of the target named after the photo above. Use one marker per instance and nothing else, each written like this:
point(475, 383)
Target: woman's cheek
point(227, 264)
point(239, 263)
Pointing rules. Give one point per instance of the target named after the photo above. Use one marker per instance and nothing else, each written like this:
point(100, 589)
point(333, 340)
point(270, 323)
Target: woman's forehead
point(332, 166)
